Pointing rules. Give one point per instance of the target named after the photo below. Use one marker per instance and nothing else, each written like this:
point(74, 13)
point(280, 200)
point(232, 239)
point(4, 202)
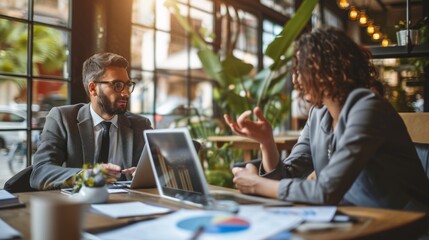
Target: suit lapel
point(126, 139)
point(86, 133)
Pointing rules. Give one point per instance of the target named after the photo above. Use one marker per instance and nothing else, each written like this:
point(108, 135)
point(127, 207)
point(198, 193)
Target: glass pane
point(205, 5)
point(171, 53)
point(12, 91)
point(248, 40)
point(141, 100)
point(48, 94)
point(248, 19)
point(203, 22)
point(143, 12)
point(13, 47)
point(54, 12)
point(13, 156)
point(203, 100)
point(50, 55)
point(171, 100)
point(165, 20)
point(14, 8)
point(142, 48)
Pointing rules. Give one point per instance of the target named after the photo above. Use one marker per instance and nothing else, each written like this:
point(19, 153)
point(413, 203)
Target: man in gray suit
point(72, 135)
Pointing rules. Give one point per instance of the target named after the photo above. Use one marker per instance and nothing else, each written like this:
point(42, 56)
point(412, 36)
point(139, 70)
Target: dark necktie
point(105, 143)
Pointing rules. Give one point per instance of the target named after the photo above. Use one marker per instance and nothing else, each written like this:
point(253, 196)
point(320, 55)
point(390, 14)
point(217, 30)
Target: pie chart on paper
point(214, 224)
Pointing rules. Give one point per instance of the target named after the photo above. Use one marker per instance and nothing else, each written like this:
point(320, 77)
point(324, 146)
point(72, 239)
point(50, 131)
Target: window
point(166, 66)
point(172, 84)
point(34, 73)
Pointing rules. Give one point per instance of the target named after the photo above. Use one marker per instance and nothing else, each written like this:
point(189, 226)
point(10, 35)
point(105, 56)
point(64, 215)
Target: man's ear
point(92, 88)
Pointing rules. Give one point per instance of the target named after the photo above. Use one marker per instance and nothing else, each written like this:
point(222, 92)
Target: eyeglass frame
point(131, 85)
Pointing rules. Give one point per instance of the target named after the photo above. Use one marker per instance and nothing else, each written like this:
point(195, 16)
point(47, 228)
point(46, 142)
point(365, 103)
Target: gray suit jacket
point(68, 143)
point(369, 160)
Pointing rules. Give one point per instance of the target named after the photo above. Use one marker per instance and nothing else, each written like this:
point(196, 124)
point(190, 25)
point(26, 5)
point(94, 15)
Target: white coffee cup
point(55, 217)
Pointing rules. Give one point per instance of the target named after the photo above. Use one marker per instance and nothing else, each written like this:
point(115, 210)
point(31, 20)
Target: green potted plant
point(403, 34)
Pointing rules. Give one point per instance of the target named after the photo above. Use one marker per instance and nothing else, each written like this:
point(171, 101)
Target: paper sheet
point(7, 232)
point(128, 209)
point(256, 225)
point(309, 214)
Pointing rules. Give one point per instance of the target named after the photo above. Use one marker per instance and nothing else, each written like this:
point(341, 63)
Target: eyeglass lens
point(119, 86)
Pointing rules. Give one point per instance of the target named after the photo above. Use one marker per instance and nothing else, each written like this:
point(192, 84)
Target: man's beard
point(107, 106)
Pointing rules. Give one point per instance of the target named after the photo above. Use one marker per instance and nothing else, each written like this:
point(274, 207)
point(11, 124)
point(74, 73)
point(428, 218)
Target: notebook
point(178, 172)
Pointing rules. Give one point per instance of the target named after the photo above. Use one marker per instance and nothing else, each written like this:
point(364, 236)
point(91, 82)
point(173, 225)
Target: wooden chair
point(418, 127)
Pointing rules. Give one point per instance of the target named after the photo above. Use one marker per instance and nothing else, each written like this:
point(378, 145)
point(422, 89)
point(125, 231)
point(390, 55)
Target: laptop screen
point(178, 170)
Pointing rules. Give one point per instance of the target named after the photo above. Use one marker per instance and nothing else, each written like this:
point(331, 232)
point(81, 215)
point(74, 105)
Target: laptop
point(178, 172)
point(143, 177)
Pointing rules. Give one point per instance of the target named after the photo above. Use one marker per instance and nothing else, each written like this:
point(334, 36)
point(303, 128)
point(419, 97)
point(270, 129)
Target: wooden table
point(284, 143)
point(373, 223)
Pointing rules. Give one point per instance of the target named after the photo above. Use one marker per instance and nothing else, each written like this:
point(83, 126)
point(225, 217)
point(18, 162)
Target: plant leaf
point(277, 48)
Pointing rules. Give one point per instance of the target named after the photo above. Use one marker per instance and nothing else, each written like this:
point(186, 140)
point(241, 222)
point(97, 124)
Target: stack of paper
point(8, 200)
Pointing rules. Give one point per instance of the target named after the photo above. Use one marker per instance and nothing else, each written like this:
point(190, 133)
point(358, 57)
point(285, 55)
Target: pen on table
point(198, 233)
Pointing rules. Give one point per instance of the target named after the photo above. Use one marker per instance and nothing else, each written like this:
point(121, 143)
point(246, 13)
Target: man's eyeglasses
point(118, 86)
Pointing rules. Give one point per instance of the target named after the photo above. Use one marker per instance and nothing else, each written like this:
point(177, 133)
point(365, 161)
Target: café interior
point(43, 44)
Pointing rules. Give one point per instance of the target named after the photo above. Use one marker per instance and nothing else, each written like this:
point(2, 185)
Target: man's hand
point(131, 170)
point(113, 172)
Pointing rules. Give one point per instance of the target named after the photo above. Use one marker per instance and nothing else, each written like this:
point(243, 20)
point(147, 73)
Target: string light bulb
point(353, 13)
point(385, 42)
point(363, 18)
point(370, 29)
point(343, 4)
point(376, 35)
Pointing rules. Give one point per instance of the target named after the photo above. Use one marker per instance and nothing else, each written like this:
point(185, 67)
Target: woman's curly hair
point(330, 64)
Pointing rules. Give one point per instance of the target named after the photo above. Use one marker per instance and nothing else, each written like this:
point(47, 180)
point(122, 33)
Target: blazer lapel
point(126, 140)
point(86, 133)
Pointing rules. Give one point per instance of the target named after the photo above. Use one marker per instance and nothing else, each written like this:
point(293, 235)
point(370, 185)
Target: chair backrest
point(20, 182)
point(417, 125)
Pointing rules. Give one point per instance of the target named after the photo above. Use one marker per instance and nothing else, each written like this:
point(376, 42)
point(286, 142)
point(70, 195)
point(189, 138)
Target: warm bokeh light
point(363, 18)
point(376, 36)
point(343, 4)
point(353, 13)
point(370, 29)
point(385, 42)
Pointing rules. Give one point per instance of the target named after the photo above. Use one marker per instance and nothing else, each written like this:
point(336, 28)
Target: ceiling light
point(363, 18)
point(353, 13)
point(343, 4)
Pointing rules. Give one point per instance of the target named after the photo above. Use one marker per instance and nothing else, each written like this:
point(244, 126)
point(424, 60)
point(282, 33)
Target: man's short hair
point(94, 67)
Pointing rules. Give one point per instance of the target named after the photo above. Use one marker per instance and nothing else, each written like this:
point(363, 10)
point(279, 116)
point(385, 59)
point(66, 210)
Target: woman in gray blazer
point(354, 139)
point(72, 135)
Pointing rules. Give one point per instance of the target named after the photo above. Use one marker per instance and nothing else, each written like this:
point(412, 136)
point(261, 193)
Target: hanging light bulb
point(363, 18)
point(376, 35)
point(370, 29)
point(385, 42)
point(353, 13)
point(343, 4)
